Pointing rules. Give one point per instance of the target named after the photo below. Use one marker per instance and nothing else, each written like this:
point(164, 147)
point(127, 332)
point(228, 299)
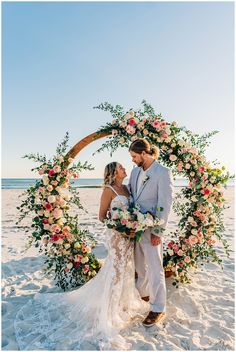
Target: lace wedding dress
point(96, 316)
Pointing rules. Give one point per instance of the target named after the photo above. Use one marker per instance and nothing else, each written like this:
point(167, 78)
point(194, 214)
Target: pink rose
point(66, 230)
point(57, 168)
point(124, 221)
point(130, 129)
point(51, 172)
point(132, 122)
point(48, 206)
point(86, 269)
point(180, 167)
point(155, 124)
point(41, 172)
point(55, 228)
point(134, 224)
point(163, 124)
point(180, 252)
point(175, 248)
point(193, 223)
point(187, 259)
point(57, 213)
point(55, 238)
point(123, 124)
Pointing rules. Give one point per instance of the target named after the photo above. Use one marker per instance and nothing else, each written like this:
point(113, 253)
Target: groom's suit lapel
point(136, 182)
point(148, 175)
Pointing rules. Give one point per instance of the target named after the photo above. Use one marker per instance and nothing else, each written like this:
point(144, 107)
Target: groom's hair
point(142, 145)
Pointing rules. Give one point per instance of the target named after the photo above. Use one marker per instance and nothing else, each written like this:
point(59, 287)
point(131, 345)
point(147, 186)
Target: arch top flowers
point(199, 205)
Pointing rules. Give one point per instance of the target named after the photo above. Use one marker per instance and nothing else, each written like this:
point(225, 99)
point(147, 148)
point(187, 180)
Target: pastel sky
point(60, 59)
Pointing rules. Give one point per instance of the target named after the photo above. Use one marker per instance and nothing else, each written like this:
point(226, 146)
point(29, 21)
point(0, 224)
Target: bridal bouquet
point(130, 222)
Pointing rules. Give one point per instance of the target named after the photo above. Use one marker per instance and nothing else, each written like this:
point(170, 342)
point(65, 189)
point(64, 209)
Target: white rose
point(84, 260)
point(67, 245)
point(47, 213)
point(37, 200)
point(77, 245)
point(61, 159)
point(170, 252)
point(60, 241)
point(51, 199)
point(45, 180)
point(181, 143)
point(61, 221)
point(194, 199)
point(67, 197)
point(173, 145)
point(190, 219)
point(58, 189)
point(187, 166)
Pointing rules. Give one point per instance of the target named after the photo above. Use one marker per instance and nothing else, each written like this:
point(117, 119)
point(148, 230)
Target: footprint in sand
point(30, 286)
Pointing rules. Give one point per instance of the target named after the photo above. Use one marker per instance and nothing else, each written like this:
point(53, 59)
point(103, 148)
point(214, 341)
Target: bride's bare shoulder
point(107, 191)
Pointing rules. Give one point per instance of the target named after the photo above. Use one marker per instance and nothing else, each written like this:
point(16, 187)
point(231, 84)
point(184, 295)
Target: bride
point(98, 314)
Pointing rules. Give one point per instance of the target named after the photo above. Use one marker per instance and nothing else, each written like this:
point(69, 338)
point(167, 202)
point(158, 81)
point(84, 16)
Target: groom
point(151, 187)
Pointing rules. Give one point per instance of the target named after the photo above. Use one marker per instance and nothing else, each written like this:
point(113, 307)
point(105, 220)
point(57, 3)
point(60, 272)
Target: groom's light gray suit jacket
point(155, 192)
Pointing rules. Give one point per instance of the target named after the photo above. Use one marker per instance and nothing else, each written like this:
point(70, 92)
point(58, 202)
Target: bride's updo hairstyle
point(110, 173)
point(141, 145)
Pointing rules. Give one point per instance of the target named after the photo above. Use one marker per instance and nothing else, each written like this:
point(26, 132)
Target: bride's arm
point(105, 202)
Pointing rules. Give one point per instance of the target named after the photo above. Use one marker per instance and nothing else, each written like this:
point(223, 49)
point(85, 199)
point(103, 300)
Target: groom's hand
point(155, 240)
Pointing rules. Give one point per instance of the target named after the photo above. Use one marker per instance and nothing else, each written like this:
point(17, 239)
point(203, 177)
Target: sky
point(61, 59)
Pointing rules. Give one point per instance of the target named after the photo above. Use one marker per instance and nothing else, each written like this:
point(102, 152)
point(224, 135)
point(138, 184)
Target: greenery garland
point(200, 205)
point(65, 246)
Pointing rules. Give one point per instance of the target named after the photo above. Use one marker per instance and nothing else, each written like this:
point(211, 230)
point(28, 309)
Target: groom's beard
point(140, 164)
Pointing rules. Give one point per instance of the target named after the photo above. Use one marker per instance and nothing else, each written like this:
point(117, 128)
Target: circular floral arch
point(199, 205)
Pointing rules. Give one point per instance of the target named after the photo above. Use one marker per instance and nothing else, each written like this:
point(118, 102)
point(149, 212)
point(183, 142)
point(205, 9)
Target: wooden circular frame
point(86, 141)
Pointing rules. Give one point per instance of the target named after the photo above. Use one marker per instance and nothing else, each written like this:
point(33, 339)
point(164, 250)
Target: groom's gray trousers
point(151, 276)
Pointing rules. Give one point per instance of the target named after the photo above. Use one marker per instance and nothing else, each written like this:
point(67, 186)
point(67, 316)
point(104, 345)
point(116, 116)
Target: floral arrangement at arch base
point(200, 205)
point(56, 232)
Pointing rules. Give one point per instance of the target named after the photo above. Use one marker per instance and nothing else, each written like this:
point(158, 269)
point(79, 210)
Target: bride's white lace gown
point(96, 316)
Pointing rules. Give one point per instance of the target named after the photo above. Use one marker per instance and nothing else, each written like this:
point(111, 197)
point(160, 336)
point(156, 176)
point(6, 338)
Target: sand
point(200, 316)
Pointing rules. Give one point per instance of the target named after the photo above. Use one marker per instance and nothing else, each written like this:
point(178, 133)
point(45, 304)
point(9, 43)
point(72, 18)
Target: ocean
point(25, 183)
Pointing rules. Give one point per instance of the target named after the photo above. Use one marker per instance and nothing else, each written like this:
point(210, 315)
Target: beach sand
point(200, 316)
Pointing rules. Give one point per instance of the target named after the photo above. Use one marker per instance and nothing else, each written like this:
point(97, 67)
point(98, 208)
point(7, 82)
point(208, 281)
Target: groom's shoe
point(153, 318)
point(146, 298)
